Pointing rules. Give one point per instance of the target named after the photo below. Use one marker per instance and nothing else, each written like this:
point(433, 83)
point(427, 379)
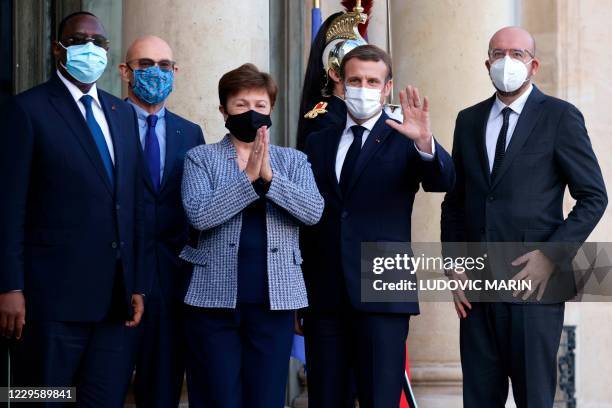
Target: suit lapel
point(173, 144)
point(526, 122)
point(375, 140)
point(332, 151)
point(65, 105)
point(114, 126)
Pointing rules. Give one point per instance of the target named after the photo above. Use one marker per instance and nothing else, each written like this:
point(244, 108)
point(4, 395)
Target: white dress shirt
point(496, 121)
point(96, 107)
point(347, 139)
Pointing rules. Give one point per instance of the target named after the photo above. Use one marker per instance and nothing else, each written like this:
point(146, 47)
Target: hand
point(459, 299)
point(253, 166)
point(538, 271)
point(266, 170)
point(138, 310)
point(416, 119)
point(12, 314)
point(298, 324)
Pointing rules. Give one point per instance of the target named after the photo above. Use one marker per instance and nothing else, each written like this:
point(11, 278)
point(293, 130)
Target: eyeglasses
point(519, 54)
point(144, 63)
point(80, 39)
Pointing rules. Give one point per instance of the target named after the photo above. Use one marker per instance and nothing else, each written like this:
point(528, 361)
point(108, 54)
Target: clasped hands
point(258, 165)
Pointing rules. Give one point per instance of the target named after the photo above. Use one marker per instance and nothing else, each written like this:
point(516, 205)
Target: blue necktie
point(98, 137)
point(352, 155)
point(151, 151)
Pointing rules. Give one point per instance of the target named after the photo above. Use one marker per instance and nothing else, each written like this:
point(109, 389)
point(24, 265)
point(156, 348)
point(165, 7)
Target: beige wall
point(573, 38)
point(208, 39)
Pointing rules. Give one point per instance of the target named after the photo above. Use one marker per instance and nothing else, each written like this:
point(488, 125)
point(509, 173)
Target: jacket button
point(118, 207)
point(344, 214)
point(114, 245)
point(274, 250)
point(491, 198)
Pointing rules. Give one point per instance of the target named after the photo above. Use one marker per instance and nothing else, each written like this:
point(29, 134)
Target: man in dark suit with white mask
point(515, 153)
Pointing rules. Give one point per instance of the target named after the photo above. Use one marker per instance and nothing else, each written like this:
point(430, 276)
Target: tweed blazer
point(215, 192)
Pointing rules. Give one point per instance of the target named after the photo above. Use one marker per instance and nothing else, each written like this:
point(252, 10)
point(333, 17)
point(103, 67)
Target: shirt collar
point(368, 124)
point(516, 106)
point(77, 93)
point(143, 114)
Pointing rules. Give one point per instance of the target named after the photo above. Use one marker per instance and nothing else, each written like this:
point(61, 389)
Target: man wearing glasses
point(165, 137)
point(515, 154)
point(71, 273)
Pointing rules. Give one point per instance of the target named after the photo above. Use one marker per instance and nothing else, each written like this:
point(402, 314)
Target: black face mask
point(244, 126)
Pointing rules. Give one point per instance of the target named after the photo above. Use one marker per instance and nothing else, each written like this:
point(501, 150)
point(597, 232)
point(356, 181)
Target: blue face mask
point(85, 62)
point(152, 85)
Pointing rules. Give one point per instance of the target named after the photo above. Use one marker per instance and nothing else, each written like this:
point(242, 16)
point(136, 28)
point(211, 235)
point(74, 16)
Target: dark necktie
point(151, 151)
point(98, 137)
point(351, 158)
point(500, 147)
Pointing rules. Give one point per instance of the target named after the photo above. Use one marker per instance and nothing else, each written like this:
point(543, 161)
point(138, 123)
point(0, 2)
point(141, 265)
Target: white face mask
point(362, 103)
point(508, 74)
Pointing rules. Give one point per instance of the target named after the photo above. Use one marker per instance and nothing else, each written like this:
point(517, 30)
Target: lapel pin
point(178, 131)
point(113, 107)
point(377, 140)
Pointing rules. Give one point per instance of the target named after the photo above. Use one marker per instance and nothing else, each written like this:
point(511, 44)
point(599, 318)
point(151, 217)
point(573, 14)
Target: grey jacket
point(215, 192)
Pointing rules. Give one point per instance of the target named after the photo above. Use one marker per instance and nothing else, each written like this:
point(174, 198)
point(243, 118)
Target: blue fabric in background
point(316, 22)
point(297, 349)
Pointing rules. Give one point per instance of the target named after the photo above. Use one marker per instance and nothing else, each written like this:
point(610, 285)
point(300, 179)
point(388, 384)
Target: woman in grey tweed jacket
point(247, 198)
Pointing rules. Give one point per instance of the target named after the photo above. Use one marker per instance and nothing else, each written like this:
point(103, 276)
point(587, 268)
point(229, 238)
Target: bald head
point(513, 38)
point(144, 54)
point(151, 47)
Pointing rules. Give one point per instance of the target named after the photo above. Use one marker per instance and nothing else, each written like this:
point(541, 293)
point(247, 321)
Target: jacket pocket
point(297, 256)
point(194, 256)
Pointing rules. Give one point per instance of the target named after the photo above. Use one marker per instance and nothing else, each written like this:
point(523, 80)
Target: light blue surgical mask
point(152, 85)
point(85, 62)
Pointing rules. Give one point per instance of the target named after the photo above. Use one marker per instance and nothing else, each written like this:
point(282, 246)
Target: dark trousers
point(237, 357)
point(506, 340)
point(90, 356)
point(371, 345)
point(157, 348)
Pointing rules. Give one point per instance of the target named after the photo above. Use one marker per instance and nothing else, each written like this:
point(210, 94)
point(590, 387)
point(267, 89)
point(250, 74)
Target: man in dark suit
point(515, 153)
point(368, 172)
point(71, 240)
point(165, 137)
